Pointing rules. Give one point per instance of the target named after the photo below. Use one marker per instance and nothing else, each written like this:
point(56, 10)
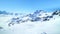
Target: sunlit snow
point(26, 26)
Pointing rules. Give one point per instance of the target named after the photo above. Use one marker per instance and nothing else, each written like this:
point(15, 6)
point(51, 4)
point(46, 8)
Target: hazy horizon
point(29, 6)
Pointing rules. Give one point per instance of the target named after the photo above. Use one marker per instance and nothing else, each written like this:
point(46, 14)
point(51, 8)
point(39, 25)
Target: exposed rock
point(34, 17)
point(44, 33)
point(1, 27)
point(57, 12)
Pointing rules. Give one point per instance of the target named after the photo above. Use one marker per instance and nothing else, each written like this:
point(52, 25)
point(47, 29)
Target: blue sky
point(26, 6)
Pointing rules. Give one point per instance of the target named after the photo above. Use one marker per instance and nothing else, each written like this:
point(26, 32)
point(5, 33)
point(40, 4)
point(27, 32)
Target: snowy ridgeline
point(39, 22)
point(34, 17)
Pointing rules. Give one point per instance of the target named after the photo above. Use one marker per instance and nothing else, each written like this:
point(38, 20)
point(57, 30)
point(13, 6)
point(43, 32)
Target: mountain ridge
point(36, 16)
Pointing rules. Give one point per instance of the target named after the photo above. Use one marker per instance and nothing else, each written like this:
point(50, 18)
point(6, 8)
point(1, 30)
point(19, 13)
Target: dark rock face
point(37, 12)
point(13, 21)
point(1, 27)
point(34, 16)
point(49, 17)
point(56, 12)
point(31, 15)
point(44, 33)
point(36, 19)
point(59, 14)
point(45, 19)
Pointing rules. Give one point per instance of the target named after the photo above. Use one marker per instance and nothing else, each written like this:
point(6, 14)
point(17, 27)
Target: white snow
point(50, 27)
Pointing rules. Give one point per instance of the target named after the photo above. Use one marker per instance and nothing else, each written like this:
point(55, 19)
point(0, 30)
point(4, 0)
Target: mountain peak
point(57, 12)
point(36, 16)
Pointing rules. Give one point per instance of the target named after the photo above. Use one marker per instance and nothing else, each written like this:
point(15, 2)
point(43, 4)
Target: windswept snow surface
point(30, 24)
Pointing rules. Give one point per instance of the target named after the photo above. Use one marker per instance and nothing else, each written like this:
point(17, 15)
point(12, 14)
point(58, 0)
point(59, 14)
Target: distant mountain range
point(4, 12)
point(38, 15)
point(8, 13)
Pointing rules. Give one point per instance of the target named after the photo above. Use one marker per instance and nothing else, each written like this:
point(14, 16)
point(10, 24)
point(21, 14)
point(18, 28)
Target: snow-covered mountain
point(9, 13)
point(39, 22)
point(36, 16)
